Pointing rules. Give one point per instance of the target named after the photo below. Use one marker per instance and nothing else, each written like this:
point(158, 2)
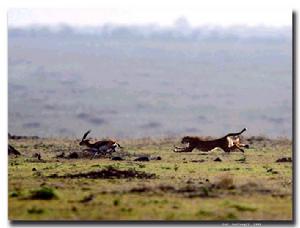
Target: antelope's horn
point(85, 135)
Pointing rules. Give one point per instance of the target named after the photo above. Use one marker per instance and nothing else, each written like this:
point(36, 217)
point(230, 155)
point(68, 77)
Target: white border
point(5, 5)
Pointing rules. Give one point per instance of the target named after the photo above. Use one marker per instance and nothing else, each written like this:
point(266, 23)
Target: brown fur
point(229, 142)
point(99, 147)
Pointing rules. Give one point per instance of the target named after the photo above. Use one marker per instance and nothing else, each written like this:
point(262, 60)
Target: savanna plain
point(54, 179)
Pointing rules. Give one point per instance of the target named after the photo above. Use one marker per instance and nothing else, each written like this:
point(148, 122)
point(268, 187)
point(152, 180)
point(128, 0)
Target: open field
point(179, 186)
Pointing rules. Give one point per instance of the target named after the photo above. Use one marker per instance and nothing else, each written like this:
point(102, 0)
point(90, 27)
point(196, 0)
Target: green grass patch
point(35, 210)
point(204, 213)
point(241, 207)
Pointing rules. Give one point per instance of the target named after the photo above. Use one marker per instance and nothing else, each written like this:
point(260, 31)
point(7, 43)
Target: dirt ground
point(53, 179)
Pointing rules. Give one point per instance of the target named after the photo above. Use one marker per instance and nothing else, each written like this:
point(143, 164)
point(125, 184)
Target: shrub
point(43, 193)
point(116, 202)
point(35, 210)
point(225, 182)
point(14, 194)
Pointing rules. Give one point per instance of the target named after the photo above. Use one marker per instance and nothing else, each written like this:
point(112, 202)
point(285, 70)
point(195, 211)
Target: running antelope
point(99, 147)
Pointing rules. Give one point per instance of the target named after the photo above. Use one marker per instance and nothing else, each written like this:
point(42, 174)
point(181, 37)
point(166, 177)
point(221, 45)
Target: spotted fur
point(228, 143)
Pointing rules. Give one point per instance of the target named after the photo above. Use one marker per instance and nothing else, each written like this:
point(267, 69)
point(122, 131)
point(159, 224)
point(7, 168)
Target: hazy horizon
point(150, 80)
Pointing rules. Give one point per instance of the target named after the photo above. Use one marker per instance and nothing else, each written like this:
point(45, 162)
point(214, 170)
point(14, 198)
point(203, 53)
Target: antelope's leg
point(109, 151)
point(103, 150)
point(177, 149)
point(186, 149)
point(96, 153)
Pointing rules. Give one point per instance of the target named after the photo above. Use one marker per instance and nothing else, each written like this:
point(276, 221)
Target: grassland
point(184, 186)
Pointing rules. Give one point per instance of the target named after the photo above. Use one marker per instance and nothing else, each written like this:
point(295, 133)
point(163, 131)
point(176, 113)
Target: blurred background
point(149, 73)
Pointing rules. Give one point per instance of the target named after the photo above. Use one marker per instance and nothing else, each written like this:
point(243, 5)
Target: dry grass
point(241, 186)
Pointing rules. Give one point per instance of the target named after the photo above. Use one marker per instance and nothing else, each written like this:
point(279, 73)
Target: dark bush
point(43, 193)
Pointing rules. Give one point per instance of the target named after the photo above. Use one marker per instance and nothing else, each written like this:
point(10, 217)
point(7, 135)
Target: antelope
point(99, 147)
point(229, 142)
